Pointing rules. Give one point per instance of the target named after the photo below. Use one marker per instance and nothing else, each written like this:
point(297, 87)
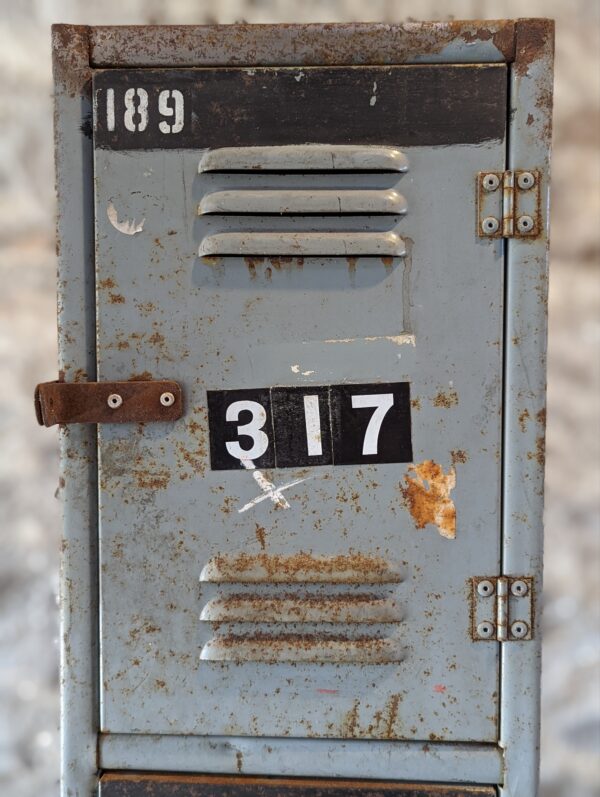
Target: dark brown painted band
point(401, 105)
point(156, 785)
point(94, 402)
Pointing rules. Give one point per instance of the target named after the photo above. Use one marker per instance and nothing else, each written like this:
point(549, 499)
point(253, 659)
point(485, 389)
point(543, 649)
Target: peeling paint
point(127, 226)
point(399, 340)
point(427, 496)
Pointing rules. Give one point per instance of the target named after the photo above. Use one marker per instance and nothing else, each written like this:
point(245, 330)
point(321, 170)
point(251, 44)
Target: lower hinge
point(509, 204)
point(146, 401)
point(502, 608)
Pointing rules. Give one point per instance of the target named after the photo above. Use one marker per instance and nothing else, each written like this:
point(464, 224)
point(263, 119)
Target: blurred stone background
point(29, 514)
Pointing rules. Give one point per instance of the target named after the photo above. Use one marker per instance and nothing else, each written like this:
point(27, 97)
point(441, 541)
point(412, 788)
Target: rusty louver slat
point(332, 624)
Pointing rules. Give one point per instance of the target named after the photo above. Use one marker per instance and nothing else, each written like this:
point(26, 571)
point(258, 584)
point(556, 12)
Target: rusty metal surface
point(303, 45)
point(159, 785)
point(77, 362)
point(525, 397)
point(227, 324)
point(144, 401)
point(297, 45)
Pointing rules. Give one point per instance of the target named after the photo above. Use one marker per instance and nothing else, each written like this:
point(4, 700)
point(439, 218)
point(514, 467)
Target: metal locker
point(302, 330)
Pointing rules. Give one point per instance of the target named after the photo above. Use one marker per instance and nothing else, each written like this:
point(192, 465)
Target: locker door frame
point(527, 45)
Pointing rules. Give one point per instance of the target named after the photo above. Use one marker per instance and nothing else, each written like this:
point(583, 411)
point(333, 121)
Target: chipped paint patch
point(373, 99)
point(269, 490)
point(127, 226)
point(296, 370)
point(399, 340)
point(427, 496)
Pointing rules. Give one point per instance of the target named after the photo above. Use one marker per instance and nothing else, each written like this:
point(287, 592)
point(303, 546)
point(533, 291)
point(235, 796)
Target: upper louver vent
point(311, 200)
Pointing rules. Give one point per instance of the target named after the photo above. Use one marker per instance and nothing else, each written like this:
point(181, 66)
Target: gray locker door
point(298, 248)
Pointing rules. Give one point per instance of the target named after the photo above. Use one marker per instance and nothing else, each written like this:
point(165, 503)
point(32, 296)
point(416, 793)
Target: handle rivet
point(114, 401)
point(167, 399)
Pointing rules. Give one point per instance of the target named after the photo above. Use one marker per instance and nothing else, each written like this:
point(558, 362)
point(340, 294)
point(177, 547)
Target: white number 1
point(382, 403)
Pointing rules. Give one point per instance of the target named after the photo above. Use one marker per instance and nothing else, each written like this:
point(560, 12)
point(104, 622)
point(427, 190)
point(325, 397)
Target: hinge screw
point(490, 225)
point(485, 588)
point(519, 588)
point(525, 224)
point(525, 181)
point(167, 399)
point(519, 629)
point(485, 630)
point(114, 401)
point(490, 182)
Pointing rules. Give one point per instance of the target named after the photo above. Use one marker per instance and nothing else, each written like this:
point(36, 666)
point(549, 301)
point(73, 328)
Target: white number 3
point(382, 403)
point(252, 429)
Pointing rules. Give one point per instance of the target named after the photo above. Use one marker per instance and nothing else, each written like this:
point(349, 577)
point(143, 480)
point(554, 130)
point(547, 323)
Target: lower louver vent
point(301, 608)
point(312, 200)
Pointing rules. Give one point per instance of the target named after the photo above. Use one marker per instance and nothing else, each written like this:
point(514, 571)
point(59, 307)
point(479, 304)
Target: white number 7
point(382, 403)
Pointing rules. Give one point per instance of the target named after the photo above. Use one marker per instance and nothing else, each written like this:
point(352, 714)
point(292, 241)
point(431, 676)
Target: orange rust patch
point(447, 400)
point(459, 456)
point(523, 418)
point(158, 480)
point(541, 417)
point(351, 568)
point(415, 403)
point(533, 38)
point(143, 377)
point(427, 496)
point(116, 298)
point(108, 283)
point(261, 536)
point(540, 451)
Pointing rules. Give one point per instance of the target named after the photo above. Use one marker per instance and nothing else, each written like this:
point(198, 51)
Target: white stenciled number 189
point(382, 402)
point(136, 112)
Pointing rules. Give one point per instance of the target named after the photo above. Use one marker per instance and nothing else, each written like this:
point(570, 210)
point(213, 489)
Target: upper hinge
point(502, 608)
point(142, 401)
point(509, 204)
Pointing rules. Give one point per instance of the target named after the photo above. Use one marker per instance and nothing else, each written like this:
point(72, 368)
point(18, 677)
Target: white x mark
point(269, 490)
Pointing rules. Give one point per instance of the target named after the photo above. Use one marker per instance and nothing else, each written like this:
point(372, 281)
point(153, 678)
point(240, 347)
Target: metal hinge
point(502, 608)
point(509, 204)
point(108, 402)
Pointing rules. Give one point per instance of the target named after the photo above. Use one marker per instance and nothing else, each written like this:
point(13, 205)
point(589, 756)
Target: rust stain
point(459, 456)
point(447, 400)
point(350, 721)
point(541, 417)
point(539, 455)
point(71, 57)
point(107, 283)
point(157, 480)
point(261, 536)
point(239, 760)
point(392, 715)
point(351, 568)
point(415, 403)
point(523, 418)
point(426, 494)
point(116, 298)
point(535, 39)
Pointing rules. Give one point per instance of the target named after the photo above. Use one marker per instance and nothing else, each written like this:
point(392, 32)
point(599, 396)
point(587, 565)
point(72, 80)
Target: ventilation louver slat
point(309, 201)
point(304, 609)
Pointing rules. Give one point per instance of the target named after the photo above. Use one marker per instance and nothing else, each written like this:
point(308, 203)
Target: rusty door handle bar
point(147, 401)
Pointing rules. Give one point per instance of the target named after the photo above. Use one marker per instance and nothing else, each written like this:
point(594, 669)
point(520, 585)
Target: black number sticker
point(287, 427)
